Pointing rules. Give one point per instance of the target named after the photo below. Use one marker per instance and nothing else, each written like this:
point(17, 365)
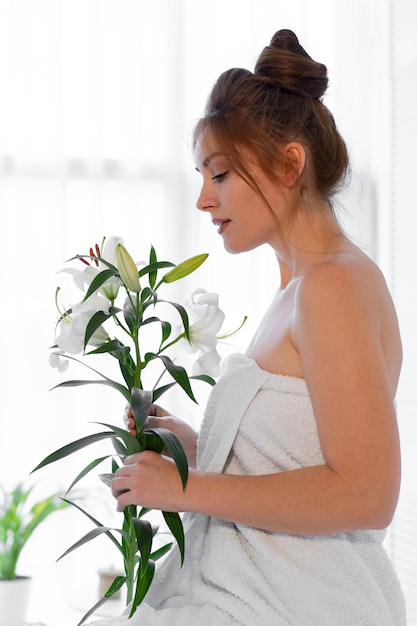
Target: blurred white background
point(97, 99)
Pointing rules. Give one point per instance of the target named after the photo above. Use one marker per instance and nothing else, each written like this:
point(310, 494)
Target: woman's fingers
point(147, 479)
point(158, 411)
point(129, 421)
point(155, 413)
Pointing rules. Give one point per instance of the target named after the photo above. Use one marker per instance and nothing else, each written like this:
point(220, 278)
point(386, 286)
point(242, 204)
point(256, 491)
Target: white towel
point(257, 422)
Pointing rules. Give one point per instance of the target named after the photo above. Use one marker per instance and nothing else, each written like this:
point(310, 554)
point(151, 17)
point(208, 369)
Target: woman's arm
point(337, 334)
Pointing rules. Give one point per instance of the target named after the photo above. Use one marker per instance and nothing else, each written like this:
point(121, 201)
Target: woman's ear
point(295, 158)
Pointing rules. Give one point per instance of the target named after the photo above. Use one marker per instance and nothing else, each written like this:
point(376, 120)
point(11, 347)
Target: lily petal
point(207, 363)
point(109, 250)
point(56, 360)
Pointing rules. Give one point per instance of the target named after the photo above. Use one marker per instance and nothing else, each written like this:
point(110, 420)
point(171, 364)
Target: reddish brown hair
point(258, 113)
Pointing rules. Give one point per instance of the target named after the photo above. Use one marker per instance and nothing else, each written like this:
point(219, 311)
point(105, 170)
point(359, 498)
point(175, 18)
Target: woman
point(297, 464)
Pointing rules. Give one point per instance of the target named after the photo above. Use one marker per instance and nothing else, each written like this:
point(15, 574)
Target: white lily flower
point(207, 363)
point(56, 360)
point(72, 328)
point(84, 277)
point(109, 249)
point(81, 277)
point(204, 308)
point(111, 287)
point(94, 303)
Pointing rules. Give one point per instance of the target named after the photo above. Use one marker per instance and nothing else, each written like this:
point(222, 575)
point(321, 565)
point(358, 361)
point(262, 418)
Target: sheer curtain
point(97, 100)
point(401, 230)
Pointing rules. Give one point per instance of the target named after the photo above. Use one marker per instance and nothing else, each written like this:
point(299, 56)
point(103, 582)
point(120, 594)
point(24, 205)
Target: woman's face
point(242, 217)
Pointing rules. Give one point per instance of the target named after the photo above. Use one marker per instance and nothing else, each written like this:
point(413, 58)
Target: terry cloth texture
point(257, 423)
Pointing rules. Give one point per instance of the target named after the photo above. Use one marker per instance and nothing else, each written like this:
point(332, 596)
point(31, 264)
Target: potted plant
point(19, 517)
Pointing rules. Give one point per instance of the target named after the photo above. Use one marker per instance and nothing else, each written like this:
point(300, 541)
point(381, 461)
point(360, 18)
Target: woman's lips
point(221, 225)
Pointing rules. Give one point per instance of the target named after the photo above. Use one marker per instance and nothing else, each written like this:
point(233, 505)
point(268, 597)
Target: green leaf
point(72, 447)
point(106, 478)
point(174, 523)
point(175, 450)
point(108, 383)
point(149, 356)
point(141, 404)
point(153, 274)
point(148, 298)
point(95, 322)
point(166, 331)
point(184, 268)
point(96, 522)
point(150, 320)
point(114, 464)
point(142, 586)
point(166, 326)
point(157, 393)
point(131, 443)
point(143, 511)
point(161, 551)
point(179, 374)
point(92, 534)
point(127, 373)
point(86, 470)
point(117, 584)
point(92, 610)
point(152, 267)
point(184, 316)
point(113, 346)
point(114, 587)
point(121, 449)
point(204, 378)
point(144, 538)
point(152, 441)
point(99, 280)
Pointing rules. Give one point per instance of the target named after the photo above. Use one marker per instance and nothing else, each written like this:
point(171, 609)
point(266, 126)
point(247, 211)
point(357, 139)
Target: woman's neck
point(309, 241)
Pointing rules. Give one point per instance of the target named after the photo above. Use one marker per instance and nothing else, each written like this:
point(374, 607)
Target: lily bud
point(184, 268)
point(127, 269)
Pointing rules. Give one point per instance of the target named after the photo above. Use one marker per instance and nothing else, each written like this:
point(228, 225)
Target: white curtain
point(97, 99)
point(401, 230)
point(97, 102)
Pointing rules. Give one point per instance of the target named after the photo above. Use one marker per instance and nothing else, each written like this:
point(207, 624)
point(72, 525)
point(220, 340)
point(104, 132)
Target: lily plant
point(106, 278)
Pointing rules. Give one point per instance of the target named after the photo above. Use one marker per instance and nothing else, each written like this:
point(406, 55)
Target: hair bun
point(287, 64)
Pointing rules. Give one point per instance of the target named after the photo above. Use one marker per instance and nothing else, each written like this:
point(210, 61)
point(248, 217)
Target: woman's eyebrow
point(208, 159)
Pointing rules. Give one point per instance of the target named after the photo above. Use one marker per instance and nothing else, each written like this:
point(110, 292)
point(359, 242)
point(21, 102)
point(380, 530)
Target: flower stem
point(129, 514)
point(135, 337)
point(171, 343)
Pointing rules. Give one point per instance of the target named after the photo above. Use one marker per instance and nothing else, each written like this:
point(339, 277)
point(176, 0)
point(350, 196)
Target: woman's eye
point(219, 177)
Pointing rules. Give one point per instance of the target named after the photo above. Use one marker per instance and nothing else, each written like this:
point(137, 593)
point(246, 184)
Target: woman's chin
point(234, 247)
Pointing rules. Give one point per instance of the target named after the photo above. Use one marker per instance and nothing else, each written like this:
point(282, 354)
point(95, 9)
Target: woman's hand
point(160, 418)
point(148, 479)
point(155, 411)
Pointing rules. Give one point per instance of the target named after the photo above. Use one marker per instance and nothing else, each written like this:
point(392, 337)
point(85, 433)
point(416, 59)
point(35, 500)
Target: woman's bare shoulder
point(347, 294)
point(344, 274)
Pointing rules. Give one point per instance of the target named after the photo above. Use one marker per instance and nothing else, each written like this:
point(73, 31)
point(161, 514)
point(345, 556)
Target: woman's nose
point(205, 200)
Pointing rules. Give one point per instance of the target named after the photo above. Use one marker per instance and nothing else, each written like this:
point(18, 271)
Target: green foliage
point(18, 520)
point(134, 540)
point(135, 544)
